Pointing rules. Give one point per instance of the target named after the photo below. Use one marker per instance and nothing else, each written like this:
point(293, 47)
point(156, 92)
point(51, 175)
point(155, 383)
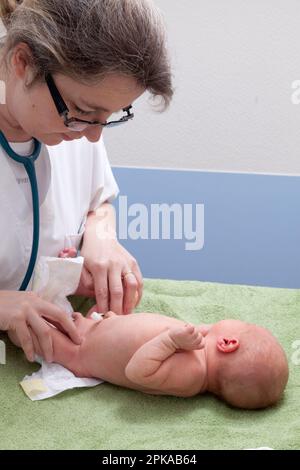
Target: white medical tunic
point(74, 178)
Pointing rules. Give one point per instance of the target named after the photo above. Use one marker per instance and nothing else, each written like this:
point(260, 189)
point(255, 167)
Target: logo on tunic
point(296, 354)
point(295, 96)
point(22, 180)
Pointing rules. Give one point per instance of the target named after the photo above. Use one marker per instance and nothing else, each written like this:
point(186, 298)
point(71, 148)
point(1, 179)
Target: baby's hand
point(187, 337)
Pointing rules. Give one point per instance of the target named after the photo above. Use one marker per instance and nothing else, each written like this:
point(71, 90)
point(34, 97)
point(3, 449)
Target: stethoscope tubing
point(29, 165)
point(30, 169)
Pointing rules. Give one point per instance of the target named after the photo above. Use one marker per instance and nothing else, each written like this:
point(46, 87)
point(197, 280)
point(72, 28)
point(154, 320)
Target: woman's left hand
point(110, 273)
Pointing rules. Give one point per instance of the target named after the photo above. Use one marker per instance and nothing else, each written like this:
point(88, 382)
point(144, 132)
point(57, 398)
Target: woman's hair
point(89, 39)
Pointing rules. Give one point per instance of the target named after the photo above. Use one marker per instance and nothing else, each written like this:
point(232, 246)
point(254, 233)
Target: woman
point(65, 68)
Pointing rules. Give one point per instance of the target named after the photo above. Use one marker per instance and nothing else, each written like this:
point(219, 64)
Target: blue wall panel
point(251, 226)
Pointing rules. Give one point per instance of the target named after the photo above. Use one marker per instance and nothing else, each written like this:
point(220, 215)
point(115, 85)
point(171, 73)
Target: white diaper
point(54, 280)
point(51, 380)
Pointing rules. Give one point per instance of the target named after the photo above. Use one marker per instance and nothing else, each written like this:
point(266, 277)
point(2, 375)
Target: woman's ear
point(227, 344)
point(21, 62)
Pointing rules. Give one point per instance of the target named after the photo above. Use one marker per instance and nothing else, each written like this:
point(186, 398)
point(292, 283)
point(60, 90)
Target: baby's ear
point(227, 344)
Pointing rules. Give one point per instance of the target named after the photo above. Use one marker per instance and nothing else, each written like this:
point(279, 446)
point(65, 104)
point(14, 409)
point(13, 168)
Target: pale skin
point(160, 355)
point(30, 112)
point(137, 351)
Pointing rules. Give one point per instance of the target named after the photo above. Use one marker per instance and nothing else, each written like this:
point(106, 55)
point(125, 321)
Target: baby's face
point(88, 325)
point(85, 325)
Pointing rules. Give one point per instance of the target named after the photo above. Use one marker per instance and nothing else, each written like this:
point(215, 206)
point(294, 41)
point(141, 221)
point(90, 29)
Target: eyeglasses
point(79, 124)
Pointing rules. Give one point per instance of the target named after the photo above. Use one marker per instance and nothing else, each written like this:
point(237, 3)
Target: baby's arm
point(156, 366)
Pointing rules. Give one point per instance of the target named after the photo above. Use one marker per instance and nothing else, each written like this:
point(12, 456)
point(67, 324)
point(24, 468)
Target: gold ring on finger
point(127, 274)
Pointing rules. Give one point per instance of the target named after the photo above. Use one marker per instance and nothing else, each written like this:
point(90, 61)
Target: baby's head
point(246, 365)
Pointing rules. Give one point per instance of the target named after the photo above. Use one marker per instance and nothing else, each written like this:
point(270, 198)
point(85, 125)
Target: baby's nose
point(77, 316)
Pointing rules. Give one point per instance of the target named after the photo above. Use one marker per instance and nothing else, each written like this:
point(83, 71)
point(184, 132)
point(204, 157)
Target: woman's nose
point(93, 133)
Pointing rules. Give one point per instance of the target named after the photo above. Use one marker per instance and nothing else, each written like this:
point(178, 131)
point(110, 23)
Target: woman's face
point(34, 111)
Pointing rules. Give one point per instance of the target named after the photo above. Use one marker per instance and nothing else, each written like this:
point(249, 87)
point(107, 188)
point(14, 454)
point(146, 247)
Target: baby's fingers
point(193, 330)
point(200, 341)
point(189, 328)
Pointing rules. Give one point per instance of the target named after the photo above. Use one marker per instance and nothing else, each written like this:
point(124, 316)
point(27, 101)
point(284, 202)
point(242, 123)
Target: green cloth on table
point(109, 417)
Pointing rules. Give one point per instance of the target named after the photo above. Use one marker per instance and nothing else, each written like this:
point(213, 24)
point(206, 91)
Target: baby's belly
point(120, 337)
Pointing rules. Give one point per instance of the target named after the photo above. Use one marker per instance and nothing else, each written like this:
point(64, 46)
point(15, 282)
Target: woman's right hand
point(24, 314)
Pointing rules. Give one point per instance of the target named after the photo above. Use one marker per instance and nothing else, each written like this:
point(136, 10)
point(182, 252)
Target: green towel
point(112, 418)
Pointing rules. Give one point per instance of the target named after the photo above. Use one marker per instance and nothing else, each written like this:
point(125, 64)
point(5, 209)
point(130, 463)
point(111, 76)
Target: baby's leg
point(155, 365)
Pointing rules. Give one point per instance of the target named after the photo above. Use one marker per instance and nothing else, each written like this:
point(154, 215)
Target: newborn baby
point(239, 362)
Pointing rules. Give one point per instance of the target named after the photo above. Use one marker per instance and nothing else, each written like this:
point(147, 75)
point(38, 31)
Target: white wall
point(234, 62)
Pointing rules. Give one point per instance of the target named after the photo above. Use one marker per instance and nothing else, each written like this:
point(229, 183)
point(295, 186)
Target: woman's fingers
point(42, 333)
point(130, 289)
point(115, 291)
point(140, 284)
point(25, 340)
point(36, 344)
point(101, 290)
point(61, 319)
point(86, 284)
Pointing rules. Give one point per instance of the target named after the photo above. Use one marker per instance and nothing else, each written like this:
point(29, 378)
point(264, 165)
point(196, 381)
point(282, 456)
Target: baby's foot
point(68, 253)
point(187, 337)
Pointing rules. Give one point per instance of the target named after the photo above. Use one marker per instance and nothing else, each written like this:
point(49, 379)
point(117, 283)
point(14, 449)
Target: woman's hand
point(24, 315)
point(104, 276)
point(110, 273)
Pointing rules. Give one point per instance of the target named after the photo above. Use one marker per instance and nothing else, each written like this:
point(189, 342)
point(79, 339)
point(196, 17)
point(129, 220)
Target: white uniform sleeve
point(104, 186)
point(81, 181)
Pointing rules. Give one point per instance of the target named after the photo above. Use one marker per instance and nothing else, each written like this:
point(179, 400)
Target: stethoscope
point(28, 163)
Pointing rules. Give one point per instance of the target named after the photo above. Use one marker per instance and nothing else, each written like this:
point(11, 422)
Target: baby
point(239, 362)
